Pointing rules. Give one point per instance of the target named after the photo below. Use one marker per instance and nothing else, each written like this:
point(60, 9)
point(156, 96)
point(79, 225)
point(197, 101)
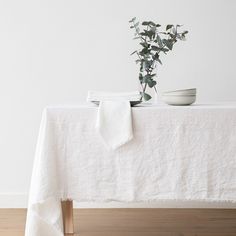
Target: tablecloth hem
point(106, 200)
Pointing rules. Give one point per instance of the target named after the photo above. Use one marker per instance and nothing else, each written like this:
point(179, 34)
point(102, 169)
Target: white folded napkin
point(104, 96)
point(114, 123)
point(114, 119)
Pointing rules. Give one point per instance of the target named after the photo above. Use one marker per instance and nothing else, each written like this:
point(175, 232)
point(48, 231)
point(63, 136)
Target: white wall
point(53, 51)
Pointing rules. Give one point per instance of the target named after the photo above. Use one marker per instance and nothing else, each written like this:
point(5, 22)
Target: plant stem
point(145, 86)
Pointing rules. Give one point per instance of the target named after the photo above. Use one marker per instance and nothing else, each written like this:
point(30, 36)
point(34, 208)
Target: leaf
point(145, 51)
point(158, 25)
point(147, 78)
point(148, 23)
point(147, 64)
point(159, 61)
point(145, 23)
point(168, 43)
point(152, 23)
point(140, 77)
point(136, 24)
point(136, 38)
point(155, 48)
point(144, 44)
point(169, 27)
point(172, 35)
point(131, 27)
point(146, 96)
point(132, 20)
point(158, 39)
point(149, 33)
point(133, 53)
point(153, 29)
point(152, 83)
point(156, 56)
point(164, 50)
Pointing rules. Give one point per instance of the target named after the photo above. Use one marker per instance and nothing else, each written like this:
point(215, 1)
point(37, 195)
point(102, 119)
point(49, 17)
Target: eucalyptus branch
point(153, 42)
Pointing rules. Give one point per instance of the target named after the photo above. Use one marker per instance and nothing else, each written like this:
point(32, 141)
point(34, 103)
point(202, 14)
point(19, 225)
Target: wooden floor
point(136, 222)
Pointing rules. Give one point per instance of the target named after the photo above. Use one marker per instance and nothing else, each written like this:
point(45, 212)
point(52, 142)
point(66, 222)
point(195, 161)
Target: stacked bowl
point(183, 97)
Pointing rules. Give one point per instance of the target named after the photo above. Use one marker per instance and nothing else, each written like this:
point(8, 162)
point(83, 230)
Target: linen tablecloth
point(177, 153)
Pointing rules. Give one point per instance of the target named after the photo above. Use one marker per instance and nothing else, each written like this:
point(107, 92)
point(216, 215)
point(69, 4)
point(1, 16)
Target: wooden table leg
point(67, 210)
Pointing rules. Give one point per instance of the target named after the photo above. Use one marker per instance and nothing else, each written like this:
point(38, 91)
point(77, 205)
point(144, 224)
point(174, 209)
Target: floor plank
point(121, 233)
point(136, 222)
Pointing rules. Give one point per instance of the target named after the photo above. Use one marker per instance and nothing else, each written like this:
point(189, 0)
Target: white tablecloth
point(177, 153)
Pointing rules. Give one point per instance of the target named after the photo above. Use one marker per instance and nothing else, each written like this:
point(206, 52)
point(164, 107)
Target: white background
point(53, 51)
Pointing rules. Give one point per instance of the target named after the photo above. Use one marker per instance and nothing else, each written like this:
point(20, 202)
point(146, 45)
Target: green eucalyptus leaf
point(153, 29)
point(145, 23)
point(159, 61)
point(151, 23)
point(146, 78)
point(156, 56)
point(165, 50)
point(172, 35)
point(151, 83)
point(158, 40)
point(144, 44)
point(148, 23)
point(132, 20)
point(146, 96)
point(168, 43)
point(147, 64)
point(169, 27)
point(140, 77)
point(155, 48)
point(150, 34)
point(145, 51)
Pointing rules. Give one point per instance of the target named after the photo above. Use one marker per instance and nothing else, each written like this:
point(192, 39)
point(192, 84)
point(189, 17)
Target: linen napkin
point(114, 123)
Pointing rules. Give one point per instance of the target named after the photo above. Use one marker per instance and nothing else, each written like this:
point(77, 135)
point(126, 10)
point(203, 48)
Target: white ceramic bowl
point(179, 100)
point(191, 91)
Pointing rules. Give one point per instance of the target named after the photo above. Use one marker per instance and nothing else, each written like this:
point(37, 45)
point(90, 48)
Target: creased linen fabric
point(177, 153)
point(114, 123)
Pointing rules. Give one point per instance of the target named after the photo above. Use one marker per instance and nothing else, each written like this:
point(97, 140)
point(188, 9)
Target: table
point(178, 153)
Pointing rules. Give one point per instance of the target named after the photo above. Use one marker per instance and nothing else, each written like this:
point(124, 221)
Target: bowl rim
point(180, 95)
point(194, 90)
